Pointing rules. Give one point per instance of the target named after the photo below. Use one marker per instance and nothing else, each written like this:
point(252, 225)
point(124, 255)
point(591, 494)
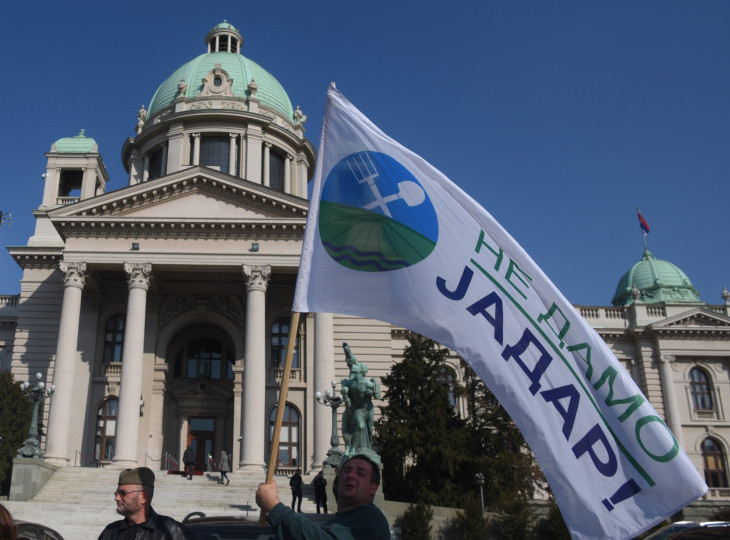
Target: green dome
point(656, 281)
point(80, 144)
point(239, 68)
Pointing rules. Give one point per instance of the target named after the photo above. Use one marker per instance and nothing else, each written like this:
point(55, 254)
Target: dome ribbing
point(654, 281)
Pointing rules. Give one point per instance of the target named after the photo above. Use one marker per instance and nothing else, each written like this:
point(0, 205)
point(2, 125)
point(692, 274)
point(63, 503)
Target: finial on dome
point(725, 295)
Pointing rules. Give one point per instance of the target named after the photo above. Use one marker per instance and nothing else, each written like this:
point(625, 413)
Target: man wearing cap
point(141, 522)
point(357, 518)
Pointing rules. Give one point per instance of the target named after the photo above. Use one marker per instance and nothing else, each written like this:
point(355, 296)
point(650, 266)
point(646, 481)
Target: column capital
point(138, 275)
point(257, 276)
point(665, 359)
point(74, 274)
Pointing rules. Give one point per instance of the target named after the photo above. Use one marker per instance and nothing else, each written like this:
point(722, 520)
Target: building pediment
point(698, 319)
point(194, 202)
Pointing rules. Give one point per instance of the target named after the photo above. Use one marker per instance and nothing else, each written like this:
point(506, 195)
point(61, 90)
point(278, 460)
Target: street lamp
point(480, 480)
point(5, 217)
point(334, 454)
point(37, 393)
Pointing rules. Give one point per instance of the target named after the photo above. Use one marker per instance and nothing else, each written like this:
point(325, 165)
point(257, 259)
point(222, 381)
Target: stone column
point(254, 417)
point(287, 175)
point(324, 373)
point(242, 157)
point(301, 179)
point(267, 164)
point(164, 159)
point(88, 183)
point(176, 146)
point(63, 369)
point(237, 395)
point(146, 168)
point(196, 149)
point(50, 190)
point(127, 434)
point(232, 154)
point(671, 409)
point(254, 153)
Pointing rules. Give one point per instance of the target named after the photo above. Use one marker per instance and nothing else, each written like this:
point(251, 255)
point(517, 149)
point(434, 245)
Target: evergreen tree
point(470, 523)
point(423, 442)
point(15, 413)
point(553, 527)
point(415, 523)
point(500, 451)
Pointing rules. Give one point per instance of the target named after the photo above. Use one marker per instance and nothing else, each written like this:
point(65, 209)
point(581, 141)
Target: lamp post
point(5, 217)
point(480, 480)
point(334, 454)
point(37, 393)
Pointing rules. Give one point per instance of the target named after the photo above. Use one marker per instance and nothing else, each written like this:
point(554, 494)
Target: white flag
point(390, 238)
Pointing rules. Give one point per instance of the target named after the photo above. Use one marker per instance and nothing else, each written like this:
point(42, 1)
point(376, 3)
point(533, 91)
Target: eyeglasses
point(123, 493)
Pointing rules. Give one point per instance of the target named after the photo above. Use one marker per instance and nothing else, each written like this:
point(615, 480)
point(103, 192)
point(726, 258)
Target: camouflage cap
point(141, 476)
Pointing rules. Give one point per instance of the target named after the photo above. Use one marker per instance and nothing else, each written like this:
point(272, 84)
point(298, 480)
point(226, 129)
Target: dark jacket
point(156, 527)
point(364, 522)
point(188, 456)
point(295, 483)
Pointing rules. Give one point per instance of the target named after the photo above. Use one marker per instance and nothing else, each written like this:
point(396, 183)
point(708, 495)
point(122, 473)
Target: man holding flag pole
point(389, 237)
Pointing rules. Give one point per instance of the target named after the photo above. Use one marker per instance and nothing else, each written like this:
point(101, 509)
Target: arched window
point(279, 341)
point(288, 438)
point(114, 338)
point(204, 358)
point(447, 376)
point(713, 461)
point(701, 390)
point(106, 427)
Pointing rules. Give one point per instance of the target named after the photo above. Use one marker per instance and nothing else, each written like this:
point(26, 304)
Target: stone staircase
point(78, 502)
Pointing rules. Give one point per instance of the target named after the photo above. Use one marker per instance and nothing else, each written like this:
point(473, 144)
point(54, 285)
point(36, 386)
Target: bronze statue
point(359, 415)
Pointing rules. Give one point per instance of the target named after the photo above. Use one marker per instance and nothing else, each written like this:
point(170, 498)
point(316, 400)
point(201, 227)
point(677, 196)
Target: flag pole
point(274, 453)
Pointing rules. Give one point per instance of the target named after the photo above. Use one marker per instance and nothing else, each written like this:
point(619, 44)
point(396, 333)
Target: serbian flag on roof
point(389, 237)
point(643, 224)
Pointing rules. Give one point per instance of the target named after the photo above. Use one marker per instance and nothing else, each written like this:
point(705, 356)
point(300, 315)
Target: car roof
point(224, 527)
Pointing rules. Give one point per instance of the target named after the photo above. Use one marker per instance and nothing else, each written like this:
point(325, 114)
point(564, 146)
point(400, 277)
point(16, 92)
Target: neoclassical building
point(160, 311)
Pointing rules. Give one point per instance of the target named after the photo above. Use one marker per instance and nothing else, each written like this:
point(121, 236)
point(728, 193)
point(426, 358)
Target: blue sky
point(560, 118)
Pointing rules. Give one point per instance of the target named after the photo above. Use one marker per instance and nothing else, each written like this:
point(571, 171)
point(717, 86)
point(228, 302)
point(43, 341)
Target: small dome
point(224, 43)
point(654, 281)
point(80, 144)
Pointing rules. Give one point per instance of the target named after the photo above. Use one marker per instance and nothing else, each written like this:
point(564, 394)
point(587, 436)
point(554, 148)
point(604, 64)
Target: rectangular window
point(214, 152)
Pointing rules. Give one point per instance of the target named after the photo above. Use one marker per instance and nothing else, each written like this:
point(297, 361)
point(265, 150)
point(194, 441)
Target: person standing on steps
point(189, 461)
point(295, 483)
point(225, 466)
point(320, 491)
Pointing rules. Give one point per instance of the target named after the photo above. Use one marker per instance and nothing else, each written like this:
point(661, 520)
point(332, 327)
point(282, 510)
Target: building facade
point(161, 311)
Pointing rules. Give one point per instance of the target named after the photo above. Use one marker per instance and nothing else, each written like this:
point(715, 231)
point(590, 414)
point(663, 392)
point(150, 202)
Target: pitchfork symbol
point(363, 169)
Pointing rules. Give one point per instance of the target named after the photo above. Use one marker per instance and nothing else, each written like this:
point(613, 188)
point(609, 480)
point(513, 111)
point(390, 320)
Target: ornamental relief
point(175, 305)
point(717, 367)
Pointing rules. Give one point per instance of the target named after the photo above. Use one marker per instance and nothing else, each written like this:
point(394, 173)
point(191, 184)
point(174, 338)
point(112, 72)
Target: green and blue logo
point(374, 215)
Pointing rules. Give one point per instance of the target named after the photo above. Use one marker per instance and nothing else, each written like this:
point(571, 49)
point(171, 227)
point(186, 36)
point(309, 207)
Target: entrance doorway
point(201, 430)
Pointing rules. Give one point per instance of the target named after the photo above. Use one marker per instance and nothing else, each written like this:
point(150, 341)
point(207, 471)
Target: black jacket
point(156, 527)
